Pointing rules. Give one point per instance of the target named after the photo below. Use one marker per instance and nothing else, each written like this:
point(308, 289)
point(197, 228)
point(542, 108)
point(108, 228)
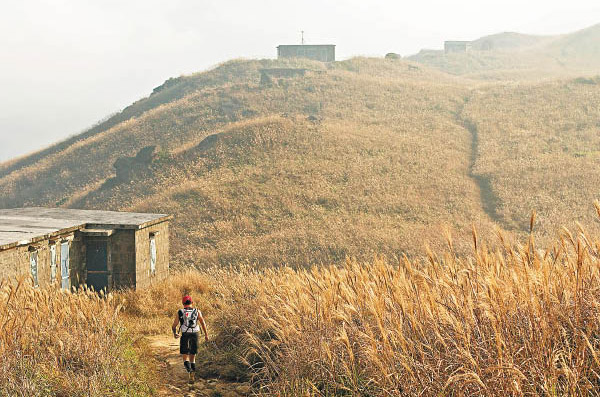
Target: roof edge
point(72, 229)
point(37, 239)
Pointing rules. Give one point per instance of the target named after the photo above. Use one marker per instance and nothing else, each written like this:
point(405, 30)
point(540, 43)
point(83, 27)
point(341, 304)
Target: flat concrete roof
point(20, 226)
point(306, 45)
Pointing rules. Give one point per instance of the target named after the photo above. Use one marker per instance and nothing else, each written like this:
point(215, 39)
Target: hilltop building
point(457, 46)
point(317, 52)
point(105, 250)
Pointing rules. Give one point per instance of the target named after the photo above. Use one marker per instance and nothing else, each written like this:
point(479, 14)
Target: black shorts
point(188, 344)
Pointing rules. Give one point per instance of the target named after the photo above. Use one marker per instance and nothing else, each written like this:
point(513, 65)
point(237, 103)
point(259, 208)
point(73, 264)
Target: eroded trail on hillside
point(490, 201)
point(166, 349)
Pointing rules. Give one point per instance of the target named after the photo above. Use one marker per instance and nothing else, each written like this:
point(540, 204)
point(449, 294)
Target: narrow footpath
point(490, 202)
point(166, 349)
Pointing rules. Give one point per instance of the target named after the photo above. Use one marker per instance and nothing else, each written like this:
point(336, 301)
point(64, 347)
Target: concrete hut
point(105, 250)
point(457, 46)
point(317, 52)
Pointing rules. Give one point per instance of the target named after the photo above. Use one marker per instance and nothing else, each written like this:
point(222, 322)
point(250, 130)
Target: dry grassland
point(54, 343)
point(539, 145)
point(518, 320)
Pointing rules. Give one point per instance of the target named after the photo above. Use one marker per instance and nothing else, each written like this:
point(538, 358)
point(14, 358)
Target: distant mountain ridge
point(508, 41)
point(511, 55)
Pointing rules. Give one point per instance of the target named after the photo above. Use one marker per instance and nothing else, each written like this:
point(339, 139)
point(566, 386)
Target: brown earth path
point(166, 349)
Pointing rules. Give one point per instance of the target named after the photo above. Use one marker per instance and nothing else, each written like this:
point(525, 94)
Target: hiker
point(189, 319)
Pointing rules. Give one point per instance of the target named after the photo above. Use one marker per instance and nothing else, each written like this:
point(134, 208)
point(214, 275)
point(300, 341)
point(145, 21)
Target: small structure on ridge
point(457, 46)
point(316, 52)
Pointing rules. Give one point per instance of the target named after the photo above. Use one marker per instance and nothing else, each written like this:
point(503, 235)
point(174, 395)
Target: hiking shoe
point(191, 377)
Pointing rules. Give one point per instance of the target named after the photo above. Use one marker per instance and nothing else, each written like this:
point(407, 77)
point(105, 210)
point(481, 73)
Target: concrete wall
point(121, 254)
point(323, 53)
point(144, 277)
point(76, 261)
point(15, 262)
point(457, 46)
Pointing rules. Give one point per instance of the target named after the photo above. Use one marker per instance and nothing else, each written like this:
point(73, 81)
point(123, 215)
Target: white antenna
point(302, 31)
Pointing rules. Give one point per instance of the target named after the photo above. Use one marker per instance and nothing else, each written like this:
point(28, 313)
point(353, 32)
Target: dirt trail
point(166, 349)
point(490, 201)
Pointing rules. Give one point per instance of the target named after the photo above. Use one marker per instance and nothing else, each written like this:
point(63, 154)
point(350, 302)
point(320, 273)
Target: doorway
point(97, 264)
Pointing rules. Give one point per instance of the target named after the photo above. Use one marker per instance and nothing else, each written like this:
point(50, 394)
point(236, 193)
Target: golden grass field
point(54, 343)
point(517, 320)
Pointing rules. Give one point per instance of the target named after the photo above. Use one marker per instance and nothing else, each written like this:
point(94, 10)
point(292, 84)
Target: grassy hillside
point(539, 146)
point(512, 321)
point(361, 159)
point(355, 158)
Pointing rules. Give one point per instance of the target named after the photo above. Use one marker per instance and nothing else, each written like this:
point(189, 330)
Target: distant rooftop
point(306, 45)
point(25, 225)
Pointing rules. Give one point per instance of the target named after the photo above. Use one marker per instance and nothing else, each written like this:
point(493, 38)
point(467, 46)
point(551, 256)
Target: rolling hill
point(350, 159)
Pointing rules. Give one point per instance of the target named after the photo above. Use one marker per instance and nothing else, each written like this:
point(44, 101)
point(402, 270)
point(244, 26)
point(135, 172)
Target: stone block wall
point(15, 262)
point(121, 250)
point(144, 278)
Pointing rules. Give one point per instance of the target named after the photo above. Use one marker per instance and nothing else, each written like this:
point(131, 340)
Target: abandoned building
point(457, 46)
point(317, 52)
point(68, 248)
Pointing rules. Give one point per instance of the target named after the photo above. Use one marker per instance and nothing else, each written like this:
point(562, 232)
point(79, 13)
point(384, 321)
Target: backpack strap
point(180, 315)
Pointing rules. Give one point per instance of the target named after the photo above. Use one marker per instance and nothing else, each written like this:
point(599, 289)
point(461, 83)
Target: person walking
point(189, 319)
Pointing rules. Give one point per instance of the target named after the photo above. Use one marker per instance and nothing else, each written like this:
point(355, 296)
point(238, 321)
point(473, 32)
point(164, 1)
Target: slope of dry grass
point(365, 158)
point(359, 157)
point(282, 189)
point(539, 146)
point(54, 343)
point(518, 320)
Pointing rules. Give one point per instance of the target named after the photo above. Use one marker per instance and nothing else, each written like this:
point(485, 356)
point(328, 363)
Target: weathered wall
point(121, 250)
point(76, 261)
point(323, 53)
point(15, 262)
point(142, 252)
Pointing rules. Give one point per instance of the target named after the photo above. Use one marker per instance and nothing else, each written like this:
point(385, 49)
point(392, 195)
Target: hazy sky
point(65, 64)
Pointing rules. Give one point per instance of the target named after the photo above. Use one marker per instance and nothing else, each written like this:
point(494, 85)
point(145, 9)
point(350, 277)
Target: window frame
point(53, 258)
point(34, 264)
point(153, 254)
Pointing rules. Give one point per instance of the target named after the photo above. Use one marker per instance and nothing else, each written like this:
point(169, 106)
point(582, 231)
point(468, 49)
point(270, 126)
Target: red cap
point(185, 299)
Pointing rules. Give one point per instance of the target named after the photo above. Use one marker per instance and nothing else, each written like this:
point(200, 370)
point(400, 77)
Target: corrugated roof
point(22, 225)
